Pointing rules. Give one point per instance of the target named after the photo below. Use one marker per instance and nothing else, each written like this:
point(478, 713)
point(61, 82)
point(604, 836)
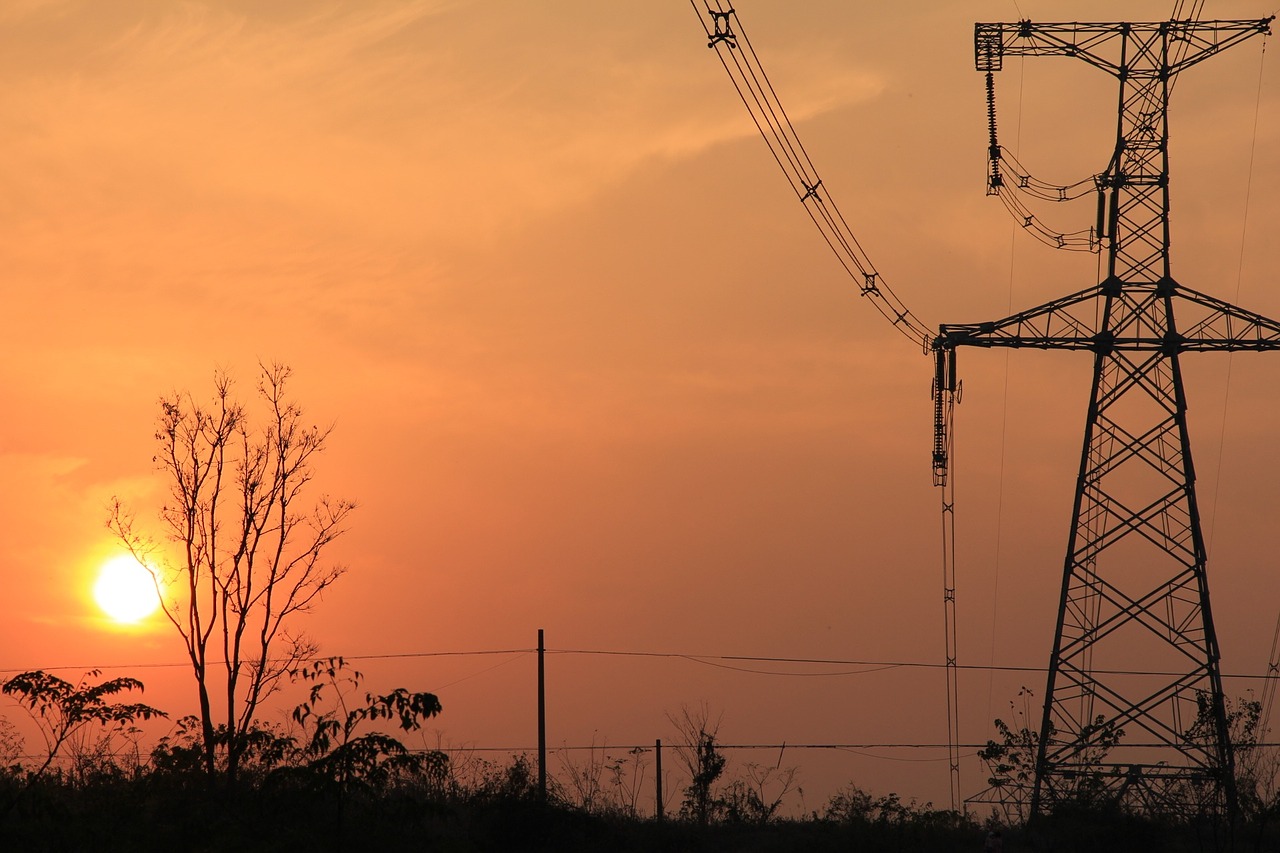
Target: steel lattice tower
point(1134, 590)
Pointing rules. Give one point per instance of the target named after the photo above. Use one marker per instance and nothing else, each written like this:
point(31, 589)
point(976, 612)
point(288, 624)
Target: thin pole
point(657, 751)
point(542, 721)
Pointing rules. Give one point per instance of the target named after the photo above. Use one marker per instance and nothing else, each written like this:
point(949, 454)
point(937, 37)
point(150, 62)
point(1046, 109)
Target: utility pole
point(542, 721)
point(1133, 705)
point(657, 793)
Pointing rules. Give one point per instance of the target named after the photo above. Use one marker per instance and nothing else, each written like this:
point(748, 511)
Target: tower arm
point(1093, 43)
point(993, 42)
point(1205, 38)
point(1060, 324)
point(1216, 325)
point(1075, 323)
point(1066, 323)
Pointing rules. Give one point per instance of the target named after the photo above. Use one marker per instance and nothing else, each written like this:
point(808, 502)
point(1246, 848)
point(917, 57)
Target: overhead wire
point(866, 666)
point(184, 664)
point(726, 34)
point(728, 37)
point(949, 627)
point(863, 671)
point(1183, 44)
point(1004, 422)
point(481, 672)
point(1267, 700)
point(1044, 190)
point(1244, 233)
point(1008, 191)
point(1272, 673)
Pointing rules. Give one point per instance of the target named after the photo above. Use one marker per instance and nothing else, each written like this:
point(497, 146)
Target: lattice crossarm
point(994, 41)
point(1196, 40)
point(1054, 325)
point(1222, 326)
point(1205, 38)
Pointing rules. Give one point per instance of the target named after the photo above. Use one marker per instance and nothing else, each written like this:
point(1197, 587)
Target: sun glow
point(125, 591)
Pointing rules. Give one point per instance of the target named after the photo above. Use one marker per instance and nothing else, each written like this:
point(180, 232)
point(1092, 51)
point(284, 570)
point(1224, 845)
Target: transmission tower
point(1135, 595)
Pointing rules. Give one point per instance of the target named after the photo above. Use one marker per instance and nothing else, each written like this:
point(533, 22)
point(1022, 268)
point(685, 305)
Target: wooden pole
point(542, 722)
point(657, 751)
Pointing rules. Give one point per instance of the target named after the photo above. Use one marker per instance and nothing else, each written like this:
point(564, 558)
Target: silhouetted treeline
point(341, 778)
point(167, 803)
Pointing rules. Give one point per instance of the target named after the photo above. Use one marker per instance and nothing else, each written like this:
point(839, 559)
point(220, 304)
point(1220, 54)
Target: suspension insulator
point(943, 387)
point(994, 178)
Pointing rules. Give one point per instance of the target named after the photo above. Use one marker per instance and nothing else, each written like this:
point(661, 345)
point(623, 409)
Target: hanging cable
point(1244, 231)
point(1267, 700)
point(1004, 421)
point(1007, 178)
point(725, 34)
point(1272, 674)
point(949, 627)
point(1180, 33)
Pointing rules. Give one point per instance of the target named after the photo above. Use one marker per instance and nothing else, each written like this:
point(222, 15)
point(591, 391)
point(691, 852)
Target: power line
point(865, 666)
point(726, 34)
point(617, 747)
point(610, 748)
point(184, 664)
point(873, 665)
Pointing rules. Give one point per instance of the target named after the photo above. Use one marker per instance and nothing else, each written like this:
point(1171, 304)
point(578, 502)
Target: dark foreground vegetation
point(156, 810)
point(340, 778)
point(156, 813)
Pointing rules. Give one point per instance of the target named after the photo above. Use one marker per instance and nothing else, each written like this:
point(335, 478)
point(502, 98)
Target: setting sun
point(125, 590)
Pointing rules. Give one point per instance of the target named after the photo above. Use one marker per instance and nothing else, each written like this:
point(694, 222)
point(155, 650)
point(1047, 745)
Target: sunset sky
point(589, 367)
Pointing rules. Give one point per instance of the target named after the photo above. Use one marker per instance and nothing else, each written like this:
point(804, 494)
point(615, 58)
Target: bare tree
point(702, 759)
point(245, 553)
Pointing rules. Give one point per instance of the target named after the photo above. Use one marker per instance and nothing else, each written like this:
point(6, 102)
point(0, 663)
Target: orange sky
point(590, 369)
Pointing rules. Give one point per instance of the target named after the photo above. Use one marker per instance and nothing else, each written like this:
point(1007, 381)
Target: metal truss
point(1133, 707)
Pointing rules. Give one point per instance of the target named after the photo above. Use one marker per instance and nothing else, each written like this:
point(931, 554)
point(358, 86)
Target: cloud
point(394, 118)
